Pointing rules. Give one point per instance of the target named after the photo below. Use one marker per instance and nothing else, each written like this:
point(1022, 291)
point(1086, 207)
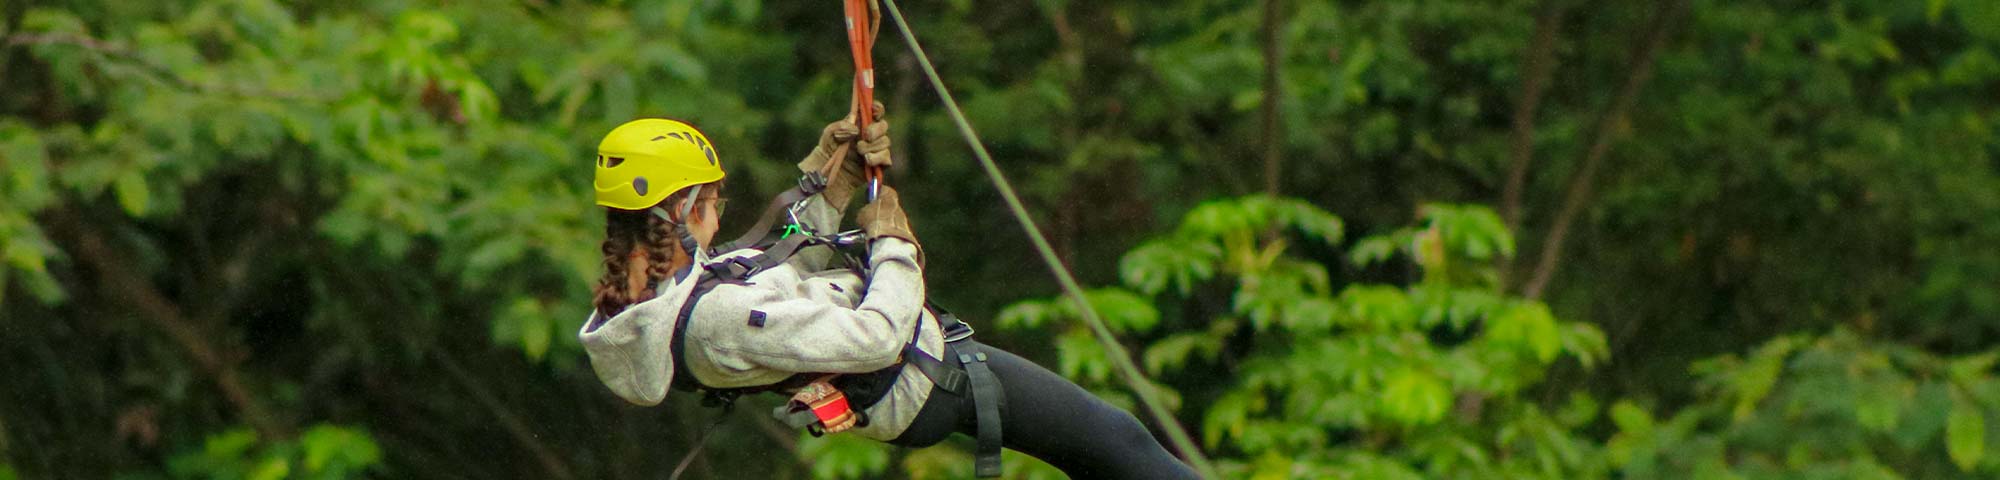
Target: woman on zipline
point(856, 346)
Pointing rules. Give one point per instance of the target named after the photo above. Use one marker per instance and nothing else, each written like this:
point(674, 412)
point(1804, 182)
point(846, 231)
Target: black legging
point(1050, 419)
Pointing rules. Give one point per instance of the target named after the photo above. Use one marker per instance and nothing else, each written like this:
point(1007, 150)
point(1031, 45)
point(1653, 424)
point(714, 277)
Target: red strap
point(861, 27)
point(861, 42)
point(829, 412)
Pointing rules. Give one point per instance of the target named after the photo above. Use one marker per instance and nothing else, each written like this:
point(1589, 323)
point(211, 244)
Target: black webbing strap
point(951, 379)
point(741, 267)
point(987, 395)
point(684, 379)
point(987, 402)
point(945, 376)
point(810, 184)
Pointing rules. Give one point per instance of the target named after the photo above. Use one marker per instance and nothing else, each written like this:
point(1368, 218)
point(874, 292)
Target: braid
point(663, 253)
point(656, 238)
point(611, 295)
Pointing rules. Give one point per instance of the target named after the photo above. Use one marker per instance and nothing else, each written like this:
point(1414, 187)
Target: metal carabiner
point(794, 226)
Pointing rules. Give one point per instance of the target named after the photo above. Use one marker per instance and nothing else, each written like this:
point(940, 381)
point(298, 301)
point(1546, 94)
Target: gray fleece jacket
point(793, 318)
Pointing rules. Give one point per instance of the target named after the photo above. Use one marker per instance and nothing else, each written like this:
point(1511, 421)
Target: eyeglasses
point(720, 204)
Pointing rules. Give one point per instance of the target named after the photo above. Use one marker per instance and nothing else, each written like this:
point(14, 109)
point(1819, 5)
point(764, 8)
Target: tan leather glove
point(832, 157)
point(885, 218)
point(874, 144)
point(836, 133)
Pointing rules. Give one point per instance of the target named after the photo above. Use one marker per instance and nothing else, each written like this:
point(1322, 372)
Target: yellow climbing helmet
point(645, 160)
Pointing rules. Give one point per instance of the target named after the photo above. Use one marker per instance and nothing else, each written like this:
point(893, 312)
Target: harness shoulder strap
point(741, 268)
point(810, 184)
point(684, 379)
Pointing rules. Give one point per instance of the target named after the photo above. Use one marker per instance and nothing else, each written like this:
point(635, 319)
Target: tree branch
point(516, 428)
point(1608, 132)
point(115, 276)
point(1273, 59)
point(1536, 64)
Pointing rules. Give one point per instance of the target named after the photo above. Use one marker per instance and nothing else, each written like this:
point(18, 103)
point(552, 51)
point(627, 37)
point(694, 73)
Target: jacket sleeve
point(764, 326)
point(630, 352)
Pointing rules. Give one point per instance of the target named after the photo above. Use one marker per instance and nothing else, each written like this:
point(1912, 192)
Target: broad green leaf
point(24, 160)
point(1025, 314)
point(1372, 250)
point(1631, 419)
point(1377, 307)
point(1272, 466)
point(1965, 435)
point(1122, 310)
point(1753, 381)
point(1585, 342)
point(234, 443)
point(1979, 18)
point(1080, 356)
point(1529, 327)
point(1227, 417)
point(1158, 264)
point(533, 329)
point(133, 194)
point(275, 468)
point(1413, 397)
point(1173, 352)
point(330, 448)
point(1880, 405)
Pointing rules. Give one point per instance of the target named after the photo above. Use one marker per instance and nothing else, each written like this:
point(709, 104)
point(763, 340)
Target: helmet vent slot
point(613, 161)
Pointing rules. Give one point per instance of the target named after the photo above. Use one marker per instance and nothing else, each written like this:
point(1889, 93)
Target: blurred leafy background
point(1533, 239)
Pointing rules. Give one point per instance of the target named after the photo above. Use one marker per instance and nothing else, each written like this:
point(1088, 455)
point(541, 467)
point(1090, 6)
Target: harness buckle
point(734, 268)
point(957, 331)
point(812, 182)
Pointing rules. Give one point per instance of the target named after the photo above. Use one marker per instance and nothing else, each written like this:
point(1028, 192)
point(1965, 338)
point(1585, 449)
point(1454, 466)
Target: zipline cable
point(1119, 357)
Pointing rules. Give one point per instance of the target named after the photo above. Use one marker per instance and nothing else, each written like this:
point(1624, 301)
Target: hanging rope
point(863, 22)
point(1120, 358)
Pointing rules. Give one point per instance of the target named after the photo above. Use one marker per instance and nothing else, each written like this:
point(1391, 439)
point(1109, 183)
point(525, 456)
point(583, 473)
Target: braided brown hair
point(632, 234)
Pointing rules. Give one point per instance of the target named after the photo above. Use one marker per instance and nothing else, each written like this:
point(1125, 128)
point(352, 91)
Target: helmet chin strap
point(689, 244)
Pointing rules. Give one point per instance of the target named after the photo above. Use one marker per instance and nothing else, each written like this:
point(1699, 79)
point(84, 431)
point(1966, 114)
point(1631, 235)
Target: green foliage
point(372, 213)
point(952, 461)
point(324, 452)
point(843, 456)
point(1372, 381)
point(1821, 407)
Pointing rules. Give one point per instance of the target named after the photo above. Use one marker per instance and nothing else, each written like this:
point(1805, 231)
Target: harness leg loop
point(987, 402)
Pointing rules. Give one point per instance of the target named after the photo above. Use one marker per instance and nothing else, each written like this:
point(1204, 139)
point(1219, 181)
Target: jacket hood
point(632, 352)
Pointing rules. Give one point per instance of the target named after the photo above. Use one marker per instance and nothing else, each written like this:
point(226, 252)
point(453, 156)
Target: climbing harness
point(823, 403)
